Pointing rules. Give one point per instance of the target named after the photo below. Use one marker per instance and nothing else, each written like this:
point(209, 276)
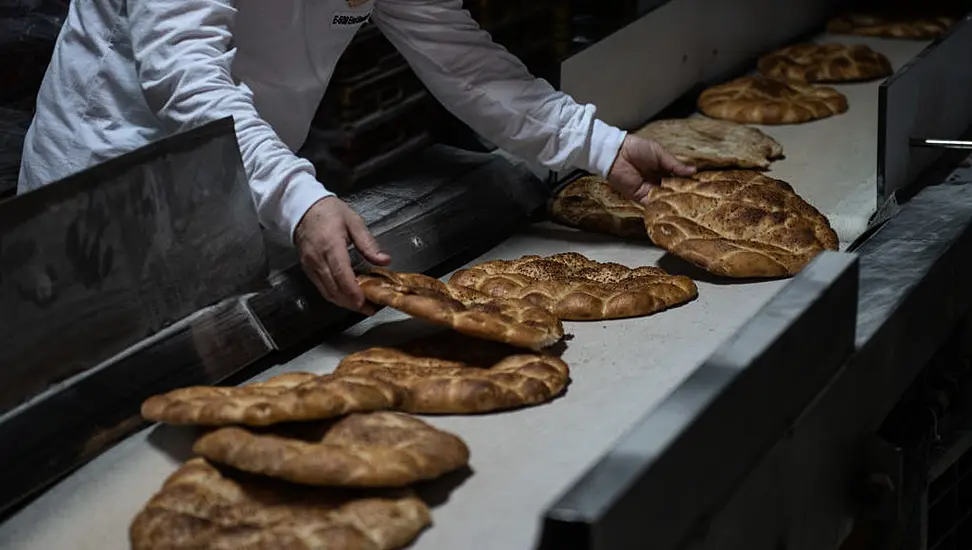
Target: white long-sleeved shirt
point(128, 72)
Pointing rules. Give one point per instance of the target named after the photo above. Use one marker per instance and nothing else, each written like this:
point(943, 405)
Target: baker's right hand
point(322, 238)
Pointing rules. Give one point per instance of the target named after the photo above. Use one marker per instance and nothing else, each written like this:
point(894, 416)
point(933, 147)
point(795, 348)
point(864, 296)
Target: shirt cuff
point(606, 143)
point(301, 193)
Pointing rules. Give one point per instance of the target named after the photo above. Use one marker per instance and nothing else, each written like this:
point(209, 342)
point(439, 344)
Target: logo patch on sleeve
point(345, 20)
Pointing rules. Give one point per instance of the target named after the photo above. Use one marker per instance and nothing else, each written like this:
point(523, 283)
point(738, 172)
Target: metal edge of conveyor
point(809, 488)
point(81, 417)
point(715, 424)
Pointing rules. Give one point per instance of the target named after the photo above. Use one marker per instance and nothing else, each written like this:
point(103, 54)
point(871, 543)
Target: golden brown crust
point(382, 449)
point(737, 224)
point(923, 28)
point(576, 288)
point(825, 63)
point(706, 143)
point(285, 398)
point(762, 100)
point(456, 374)
point(198, 507)
point(590, 204)
point(513, 322)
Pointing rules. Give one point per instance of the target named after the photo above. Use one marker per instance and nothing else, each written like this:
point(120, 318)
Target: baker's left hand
point(641, 165)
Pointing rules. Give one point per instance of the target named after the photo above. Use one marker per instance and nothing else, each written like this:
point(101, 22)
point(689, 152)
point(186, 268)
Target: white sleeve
point(489, 89)
point(183, 52)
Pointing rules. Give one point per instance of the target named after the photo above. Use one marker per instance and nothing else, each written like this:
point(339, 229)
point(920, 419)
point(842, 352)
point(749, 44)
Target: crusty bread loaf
point(737, 224)
point(861, 24)
point(455, 374)
point(201, 507)
point(468, 311)
point(285, 398)
point(577, 288)
point(707, 143)
point(589, 203)
point(825, 63)
point(381, 449)
point(763, 100)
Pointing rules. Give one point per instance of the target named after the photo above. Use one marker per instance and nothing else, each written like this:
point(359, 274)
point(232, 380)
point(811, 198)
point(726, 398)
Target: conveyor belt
point(521, 460)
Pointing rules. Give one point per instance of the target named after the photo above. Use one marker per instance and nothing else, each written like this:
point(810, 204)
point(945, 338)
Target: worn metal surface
point(930, 98)
point(717, 423)
point(95, 263)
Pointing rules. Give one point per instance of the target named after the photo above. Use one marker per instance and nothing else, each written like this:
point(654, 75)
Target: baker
point(129, 72)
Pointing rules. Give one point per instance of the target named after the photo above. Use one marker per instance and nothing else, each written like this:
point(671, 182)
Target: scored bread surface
point(918, 28)
point(764, 100)
point(455, 374)
point(286, 398)
point(200, 507)
point(737, 224)
point(381, 449)
point(825, 63)
point(574, 287)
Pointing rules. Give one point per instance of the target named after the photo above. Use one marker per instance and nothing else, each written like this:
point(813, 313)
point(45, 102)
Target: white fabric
point(128, 72)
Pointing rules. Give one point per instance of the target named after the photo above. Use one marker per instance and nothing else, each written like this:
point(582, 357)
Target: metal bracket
point(941, 143)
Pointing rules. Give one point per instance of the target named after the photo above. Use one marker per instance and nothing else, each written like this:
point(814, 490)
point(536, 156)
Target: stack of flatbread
point(273, 440)
point(590, 204)
point(348, 433)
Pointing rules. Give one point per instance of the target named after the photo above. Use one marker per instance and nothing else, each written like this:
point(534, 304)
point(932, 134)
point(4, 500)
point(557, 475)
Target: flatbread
point(762, 100)
point(454, 374)
point(381, 449)
point(576, 288)
point(285, 398)
point(825, 63)
point(473, 313)
point(201, 507)
point(589, 203)
point(737, 224)
point(920, 28)
point(712, 144)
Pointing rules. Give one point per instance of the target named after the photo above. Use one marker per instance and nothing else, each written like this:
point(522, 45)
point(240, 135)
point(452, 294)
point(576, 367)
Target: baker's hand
point(322, 238)
point(641, 165)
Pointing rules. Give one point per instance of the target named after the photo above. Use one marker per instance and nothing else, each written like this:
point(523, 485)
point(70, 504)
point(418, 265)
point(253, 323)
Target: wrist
point(300, 195)
point(606, 145)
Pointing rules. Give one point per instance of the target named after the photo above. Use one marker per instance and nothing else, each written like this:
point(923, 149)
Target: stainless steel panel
point(93, 264)
point(636, 72)
point(930, 98)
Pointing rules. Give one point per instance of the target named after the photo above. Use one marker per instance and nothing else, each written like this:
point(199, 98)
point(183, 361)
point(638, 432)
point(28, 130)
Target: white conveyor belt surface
point(521, 461)
point(832, 163)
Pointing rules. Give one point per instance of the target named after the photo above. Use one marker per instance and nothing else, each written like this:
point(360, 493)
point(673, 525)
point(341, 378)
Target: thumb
point(365, 242)
point(668, 163)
